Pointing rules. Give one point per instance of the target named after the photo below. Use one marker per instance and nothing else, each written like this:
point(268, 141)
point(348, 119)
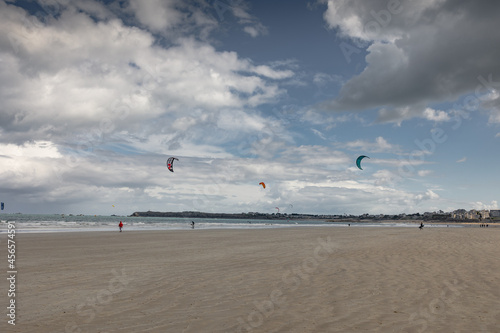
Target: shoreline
point(200, 226)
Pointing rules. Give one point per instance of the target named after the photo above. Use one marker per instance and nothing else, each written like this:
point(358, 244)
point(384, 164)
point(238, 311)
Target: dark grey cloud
point(429, 52)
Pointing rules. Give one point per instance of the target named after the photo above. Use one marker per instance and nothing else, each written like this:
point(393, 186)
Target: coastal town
point(459, 215)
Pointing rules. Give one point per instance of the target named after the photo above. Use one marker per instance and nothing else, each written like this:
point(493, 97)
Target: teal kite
point(358, 161)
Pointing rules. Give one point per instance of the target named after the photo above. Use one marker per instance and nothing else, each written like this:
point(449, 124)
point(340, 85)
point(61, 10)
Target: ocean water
point(30, 223)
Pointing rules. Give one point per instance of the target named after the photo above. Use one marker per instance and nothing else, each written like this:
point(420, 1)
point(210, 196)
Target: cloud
point(480, 205)
point(323, 79)
point(418, 53)
point(398, 114)
point(491, 101)
point(72, 76)
point(366, 22)
point(436, 115)
point(386, 177)
point(319, 133)
point(256, 30)
point(96, 96)
point(462, 160)
point(428, 195)
point(92, 105)
point(252, 26)
point(424, 173)
point(157, 15)
point(380, 145)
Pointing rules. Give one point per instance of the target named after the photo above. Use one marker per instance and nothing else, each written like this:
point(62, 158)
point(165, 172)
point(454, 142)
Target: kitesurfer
point(421, 225)
point(120, 225)
point(192, 224)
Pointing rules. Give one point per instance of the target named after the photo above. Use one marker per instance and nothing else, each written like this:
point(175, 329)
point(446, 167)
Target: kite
point(263, 185)
point(278, 209)
point(170, 163)
point(358, 161)
point(3, 206)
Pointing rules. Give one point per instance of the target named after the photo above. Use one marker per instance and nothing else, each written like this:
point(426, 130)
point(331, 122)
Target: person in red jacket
point(121, 226)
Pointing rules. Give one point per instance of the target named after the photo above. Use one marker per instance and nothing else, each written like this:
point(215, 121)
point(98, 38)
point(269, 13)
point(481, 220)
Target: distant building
point(462, 214)
point(472, 215)
point(459, 214)
point(485, 214)
point(495, 213)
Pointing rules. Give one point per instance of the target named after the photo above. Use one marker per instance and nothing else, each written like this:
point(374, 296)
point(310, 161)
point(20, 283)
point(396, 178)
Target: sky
point(95, 96)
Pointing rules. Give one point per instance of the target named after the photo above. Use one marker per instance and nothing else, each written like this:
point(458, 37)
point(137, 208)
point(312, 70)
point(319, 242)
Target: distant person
point(421, 225)
point(192, 224)
point(120, 225)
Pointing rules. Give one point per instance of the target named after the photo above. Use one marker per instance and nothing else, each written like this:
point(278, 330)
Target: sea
point(40, 223)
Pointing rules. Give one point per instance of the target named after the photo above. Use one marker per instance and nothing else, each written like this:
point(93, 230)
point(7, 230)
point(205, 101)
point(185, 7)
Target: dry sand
point(356, 279)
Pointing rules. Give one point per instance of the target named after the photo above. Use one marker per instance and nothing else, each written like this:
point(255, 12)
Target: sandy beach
point(343, 279)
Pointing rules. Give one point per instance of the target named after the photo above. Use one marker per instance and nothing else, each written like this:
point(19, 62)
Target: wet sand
point(338, 279)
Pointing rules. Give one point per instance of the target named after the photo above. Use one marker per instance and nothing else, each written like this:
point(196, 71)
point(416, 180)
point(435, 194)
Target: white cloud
point(319, 133)
point(436, 115)
point(463, 159)
point(157, 14)
point(428, 195)
point(37, 149)
point(77, 74)
point(251, 31)
point(386, 177)
point(424, 173)
point(480, 205)
point(491, 101)
point(271, 73)
point(398, 114)
point(378, 20)
point(323, 79)
point(252, 26)
point(380, 145)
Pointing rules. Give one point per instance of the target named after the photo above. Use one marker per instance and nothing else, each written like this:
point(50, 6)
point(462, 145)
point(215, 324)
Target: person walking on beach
point(120, 225)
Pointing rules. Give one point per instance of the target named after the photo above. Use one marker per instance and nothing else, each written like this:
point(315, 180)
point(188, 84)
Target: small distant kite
point(263, 185)
point(358, 161)
point(3, 206)
point(278, 209)
point(170, 163)
point(113, 205)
